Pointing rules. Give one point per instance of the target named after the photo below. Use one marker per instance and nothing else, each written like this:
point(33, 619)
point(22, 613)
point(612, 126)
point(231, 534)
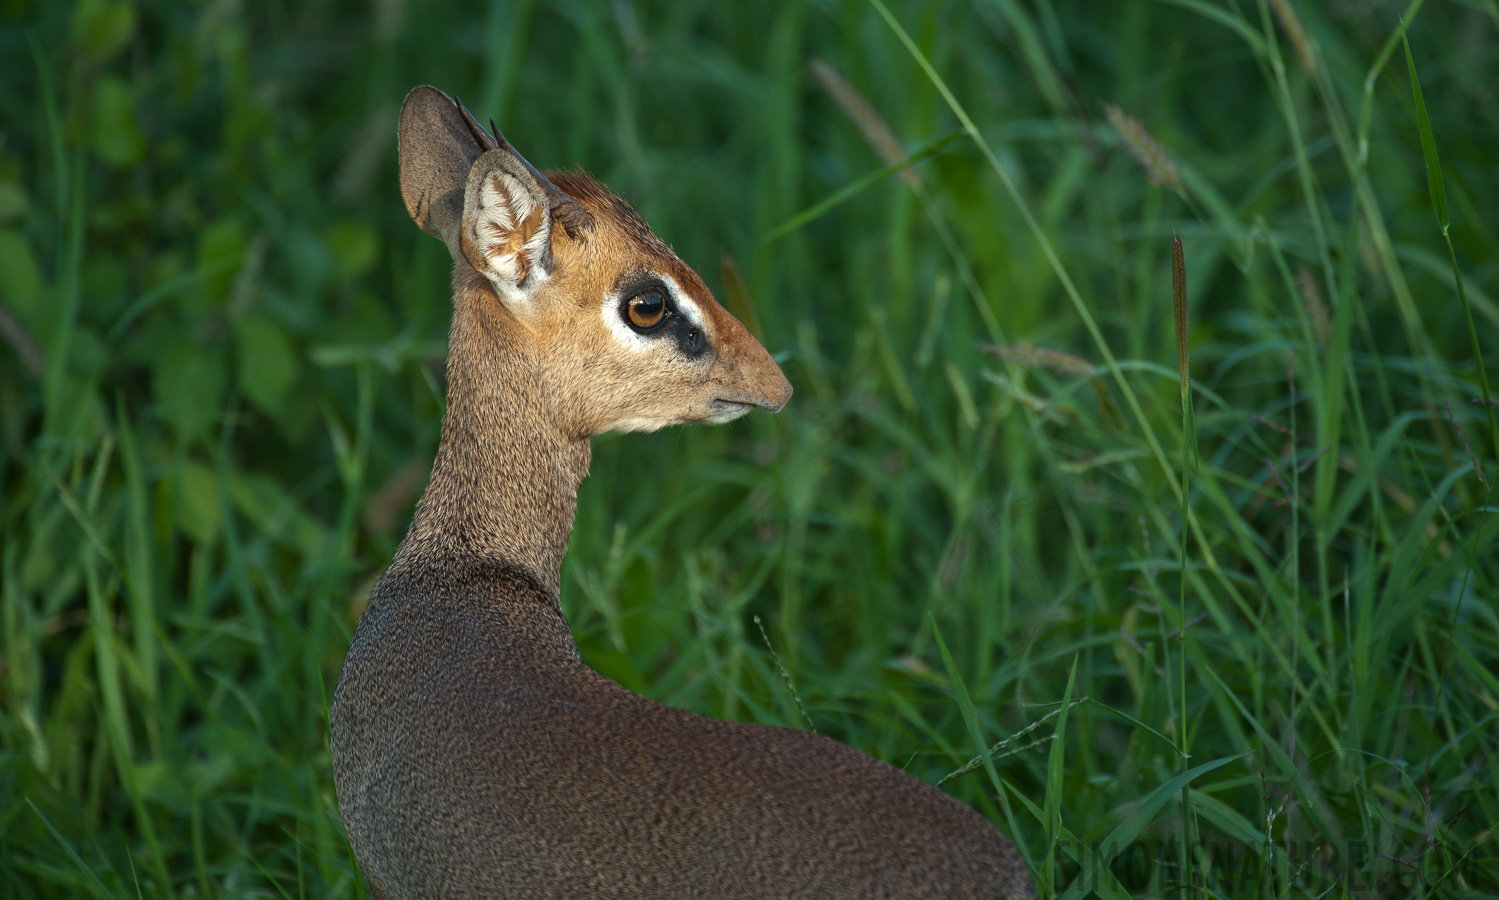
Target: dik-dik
point(475, 754)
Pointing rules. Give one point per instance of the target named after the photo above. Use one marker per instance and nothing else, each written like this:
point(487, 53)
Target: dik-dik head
point(626, 337)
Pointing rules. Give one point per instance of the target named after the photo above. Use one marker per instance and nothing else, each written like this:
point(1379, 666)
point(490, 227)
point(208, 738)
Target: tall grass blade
point(1439, 203)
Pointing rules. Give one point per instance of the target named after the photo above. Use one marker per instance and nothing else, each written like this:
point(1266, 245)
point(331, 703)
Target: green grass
point(980, 536)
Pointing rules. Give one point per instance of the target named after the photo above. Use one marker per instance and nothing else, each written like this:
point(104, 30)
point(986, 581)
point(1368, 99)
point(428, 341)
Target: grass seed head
point(1146, 150)
point(1290, 23)
point(879, 134)
point(1053, 360)
point(1316, 310)
point(1179, 308)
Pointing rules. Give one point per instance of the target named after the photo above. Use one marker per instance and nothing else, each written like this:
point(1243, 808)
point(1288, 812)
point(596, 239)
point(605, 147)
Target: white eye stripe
point(684, 305)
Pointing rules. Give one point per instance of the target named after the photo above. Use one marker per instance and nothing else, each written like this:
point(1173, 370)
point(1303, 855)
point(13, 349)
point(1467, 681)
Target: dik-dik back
point(474, 754)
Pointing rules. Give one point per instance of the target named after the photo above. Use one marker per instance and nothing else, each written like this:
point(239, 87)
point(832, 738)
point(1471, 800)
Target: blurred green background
point(1251, 654)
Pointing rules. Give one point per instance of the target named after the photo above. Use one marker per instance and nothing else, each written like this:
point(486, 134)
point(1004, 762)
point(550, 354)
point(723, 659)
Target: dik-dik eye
point(645, 311)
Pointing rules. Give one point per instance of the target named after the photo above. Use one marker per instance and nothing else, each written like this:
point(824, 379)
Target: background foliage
point(220, 390)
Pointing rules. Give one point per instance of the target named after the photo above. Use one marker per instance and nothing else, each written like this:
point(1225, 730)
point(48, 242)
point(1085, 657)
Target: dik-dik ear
point(438, 146)
point(507, 223)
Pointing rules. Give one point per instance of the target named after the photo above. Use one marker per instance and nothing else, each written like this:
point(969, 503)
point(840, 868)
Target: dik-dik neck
point(504, 486)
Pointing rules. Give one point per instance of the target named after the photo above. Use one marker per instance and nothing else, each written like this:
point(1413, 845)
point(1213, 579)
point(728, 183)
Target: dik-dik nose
point(745, 372)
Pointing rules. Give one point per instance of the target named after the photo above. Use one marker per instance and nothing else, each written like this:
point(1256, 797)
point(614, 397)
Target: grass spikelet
point(26, 349)
point(1015, 743)
point(736, 292)
point(879, 134)
point(1316, 310)
point(1146, 150)
point(1048, 358)
point(1477, 470)
point(1179, 311)
point(785, 675)
point(1290, 23)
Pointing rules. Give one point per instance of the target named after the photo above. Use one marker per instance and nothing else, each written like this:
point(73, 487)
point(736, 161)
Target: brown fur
point(474, 754)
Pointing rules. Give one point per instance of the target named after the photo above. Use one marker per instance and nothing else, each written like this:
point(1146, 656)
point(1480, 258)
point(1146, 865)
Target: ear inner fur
point(507, 226)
